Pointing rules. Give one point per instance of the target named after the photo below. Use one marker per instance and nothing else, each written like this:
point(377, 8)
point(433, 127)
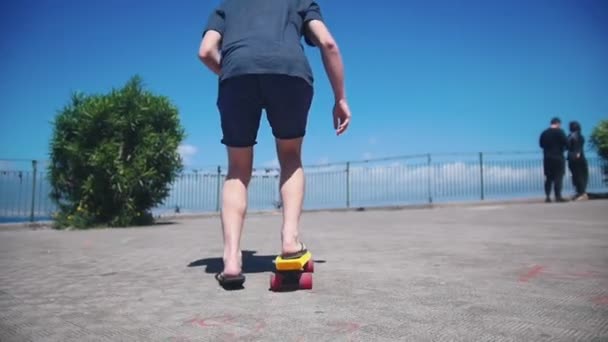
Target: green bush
point(599, 140)
point(113, 157)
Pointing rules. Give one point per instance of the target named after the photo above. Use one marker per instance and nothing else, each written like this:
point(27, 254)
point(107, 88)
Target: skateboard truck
point(292, 273)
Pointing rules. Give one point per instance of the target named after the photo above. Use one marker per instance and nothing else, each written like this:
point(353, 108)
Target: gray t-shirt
point(264, 36)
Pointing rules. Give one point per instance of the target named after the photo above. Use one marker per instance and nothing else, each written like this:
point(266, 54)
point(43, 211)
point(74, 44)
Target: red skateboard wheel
point(275, 282)
point(306, 281)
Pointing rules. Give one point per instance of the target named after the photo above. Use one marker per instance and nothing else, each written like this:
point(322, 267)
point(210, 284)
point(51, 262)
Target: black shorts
point(241, 99)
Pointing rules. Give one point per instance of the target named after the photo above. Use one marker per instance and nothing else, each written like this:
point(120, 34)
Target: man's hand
point(341, 116)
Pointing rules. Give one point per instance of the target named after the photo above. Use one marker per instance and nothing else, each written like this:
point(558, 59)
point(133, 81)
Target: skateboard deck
point(292, 273)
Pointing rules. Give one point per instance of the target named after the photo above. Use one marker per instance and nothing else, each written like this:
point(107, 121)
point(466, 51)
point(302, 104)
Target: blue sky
point(422, 76)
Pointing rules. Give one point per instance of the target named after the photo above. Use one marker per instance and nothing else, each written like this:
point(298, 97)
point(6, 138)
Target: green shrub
point(599, 140)
point(114, 157)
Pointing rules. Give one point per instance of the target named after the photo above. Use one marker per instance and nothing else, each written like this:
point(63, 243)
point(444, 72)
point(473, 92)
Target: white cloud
point(323, 161)
point(367, 156)
point(187, 152)
point(268, 168)
point(6, 165)
point(372, 141)
point(274, 163)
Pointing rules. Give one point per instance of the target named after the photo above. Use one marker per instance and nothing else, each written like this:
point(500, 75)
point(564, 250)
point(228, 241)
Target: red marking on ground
point(211, 321)
point(533, 272)
point(259, 326)
point(229, 337)
point(346, 327)
point(601, 300)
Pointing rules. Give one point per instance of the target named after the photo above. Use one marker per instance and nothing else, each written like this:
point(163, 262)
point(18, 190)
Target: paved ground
point(527, 272)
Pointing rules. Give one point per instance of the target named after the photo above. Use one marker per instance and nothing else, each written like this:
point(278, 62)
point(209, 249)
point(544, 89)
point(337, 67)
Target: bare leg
point(292, 191)
point(234, 206)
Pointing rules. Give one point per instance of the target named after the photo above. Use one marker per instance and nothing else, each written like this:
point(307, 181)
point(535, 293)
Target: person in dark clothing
point(577, 163)
point(554, 142)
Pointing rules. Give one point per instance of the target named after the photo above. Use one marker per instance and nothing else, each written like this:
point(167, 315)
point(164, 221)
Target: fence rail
point(24, 188)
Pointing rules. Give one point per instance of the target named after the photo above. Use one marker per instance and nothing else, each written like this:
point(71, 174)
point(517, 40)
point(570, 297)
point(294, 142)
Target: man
point(255, 48)
point(577, 162)
point(554, 142)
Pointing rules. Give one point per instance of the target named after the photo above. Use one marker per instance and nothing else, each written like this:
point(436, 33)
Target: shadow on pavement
point(252, 263)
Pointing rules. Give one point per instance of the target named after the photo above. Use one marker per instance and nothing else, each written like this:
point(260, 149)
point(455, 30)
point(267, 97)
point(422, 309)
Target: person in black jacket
point(554, 142)
point(577, 163)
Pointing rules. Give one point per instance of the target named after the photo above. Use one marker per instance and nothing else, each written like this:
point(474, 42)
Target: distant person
point(554, 143)
point(255, 48)
point(577, 163)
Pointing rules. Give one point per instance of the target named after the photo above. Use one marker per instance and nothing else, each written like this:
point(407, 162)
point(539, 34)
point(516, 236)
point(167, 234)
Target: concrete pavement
point(521, 272)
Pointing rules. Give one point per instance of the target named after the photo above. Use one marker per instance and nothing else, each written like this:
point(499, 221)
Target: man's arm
point(575, 144)
point(209, 51)
point(332, 60)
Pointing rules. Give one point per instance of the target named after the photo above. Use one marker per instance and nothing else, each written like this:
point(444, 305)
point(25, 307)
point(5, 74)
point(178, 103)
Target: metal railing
point(398, 181)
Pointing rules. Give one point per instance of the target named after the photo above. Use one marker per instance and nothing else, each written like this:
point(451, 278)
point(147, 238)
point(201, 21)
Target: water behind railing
point(24, 192)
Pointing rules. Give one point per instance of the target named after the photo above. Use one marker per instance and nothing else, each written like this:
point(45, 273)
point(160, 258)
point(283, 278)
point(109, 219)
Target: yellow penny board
point(292, 264)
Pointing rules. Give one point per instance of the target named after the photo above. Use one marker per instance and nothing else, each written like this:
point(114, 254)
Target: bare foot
point(233, 265)
point(291, 248)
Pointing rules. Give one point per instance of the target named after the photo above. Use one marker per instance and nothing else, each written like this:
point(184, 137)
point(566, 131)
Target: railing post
point(218, 192)
point(429, 179)
point(279, 205)
point(347, 184)
point(35, 170)
point(481, 174)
